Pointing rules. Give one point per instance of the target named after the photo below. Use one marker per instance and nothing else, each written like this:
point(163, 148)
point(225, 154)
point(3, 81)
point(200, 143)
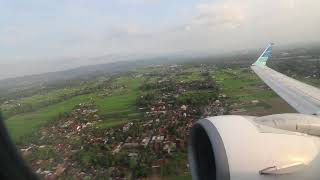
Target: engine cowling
point(241, 148)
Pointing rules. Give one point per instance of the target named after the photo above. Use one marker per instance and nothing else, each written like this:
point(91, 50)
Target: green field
point(116, 109)
point(193, 76)
point(242, 85)
point(33, 103)
point(120, 102)
point(312, 81)
point(25, 124)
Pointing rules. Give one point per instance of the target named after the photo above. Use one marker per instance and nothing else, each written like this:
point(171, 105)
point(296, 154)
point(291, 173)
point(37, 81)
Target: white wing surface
point(302, 97)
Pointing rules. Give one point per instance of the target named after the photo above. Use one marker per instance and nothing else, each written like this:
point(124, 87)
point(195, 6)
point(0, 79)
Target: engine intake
point(207, 155)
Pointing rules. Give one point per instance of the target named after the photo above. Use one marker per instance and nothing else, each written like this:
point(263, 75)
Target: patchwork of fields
point(248, 94)
point(115, 100)
point(116, 105)
point(116, 108)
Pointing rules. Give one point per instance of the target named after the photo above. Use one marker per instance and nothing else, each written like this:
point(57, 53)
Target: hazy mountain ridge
point(58, 79)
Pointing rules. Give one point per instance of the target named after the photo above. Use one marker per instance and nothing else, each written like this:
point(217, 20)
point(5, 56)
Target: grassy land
point(50, 96)
point(35, 102)
point(117, 103)
point(242, 85)
point(115, 109)
point(312, 81)
point(150, 69)
point(26, 123)
point(193, 76)
point(121, 103)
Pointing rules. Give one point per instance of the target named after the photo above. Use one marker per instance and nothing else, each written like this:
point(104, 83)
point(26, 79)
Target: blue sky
point(60, 34)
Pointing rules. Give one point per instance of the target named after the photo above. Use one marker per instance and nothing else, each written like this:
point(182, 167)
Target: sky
point(39, 36)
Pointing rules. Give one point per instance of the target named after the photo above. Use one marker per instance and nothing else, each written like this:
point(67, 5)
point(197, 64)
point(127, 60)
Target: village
point(146, 135)
point(73, 147)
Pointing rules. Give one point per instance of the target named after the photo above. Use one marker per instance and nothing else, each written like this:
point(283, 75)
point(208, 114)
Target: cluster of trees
point(197, 98)
point(145, 100)
point(176, 165)
point(298, 66)
point(165, 86)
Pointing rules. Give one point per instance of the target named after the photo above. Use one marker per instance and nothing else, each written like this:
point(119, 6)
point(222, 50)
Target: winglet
point(262, 60)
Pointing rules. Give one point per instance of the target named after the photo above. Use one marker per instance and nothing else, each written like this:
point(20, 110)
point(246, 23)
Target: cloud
point(230, 14)
point(224, 26)
point(141, 1)
point(230, 25)
point(100, 28)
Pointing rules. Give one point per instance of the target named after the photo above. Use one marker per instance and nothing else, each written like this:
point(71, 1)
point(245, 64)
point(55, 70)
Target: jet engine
point(281, 147)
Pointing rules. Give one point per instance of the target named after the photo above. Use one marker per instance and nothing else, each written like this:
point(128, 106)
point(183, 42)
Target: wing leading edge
point(302, 97)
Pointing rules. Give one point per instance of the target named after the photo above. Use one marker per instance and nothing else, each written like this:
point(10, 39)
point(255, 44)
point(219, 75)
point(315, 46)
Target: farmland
point(134, 123)
point(122, 101)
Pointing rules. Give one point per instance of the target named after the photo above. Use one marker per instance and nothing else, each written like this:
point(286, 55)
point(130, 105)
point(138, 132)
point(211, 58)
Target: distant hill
point(69, 77)
point(52, 80)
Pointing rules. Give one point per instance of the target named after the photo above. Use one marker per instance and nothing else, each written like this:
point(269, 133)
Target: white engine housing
point(242, 148)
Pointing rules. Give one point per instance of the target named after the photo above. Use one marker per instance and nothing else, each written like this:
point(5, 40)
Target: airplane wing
point(233, 147)
point(302, 97)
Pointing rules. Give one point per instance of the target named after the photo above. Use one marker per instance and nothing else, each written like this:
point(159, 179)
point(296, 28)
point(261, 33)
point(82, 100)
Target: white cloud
point(231, 23)
point(215, 26)
point(141, 1)
point(228, 25)
point(220, 14)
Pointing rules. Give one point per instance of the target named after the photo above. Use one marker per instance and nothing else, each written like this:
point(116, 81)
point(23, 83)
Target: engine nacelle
point(242, 148)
